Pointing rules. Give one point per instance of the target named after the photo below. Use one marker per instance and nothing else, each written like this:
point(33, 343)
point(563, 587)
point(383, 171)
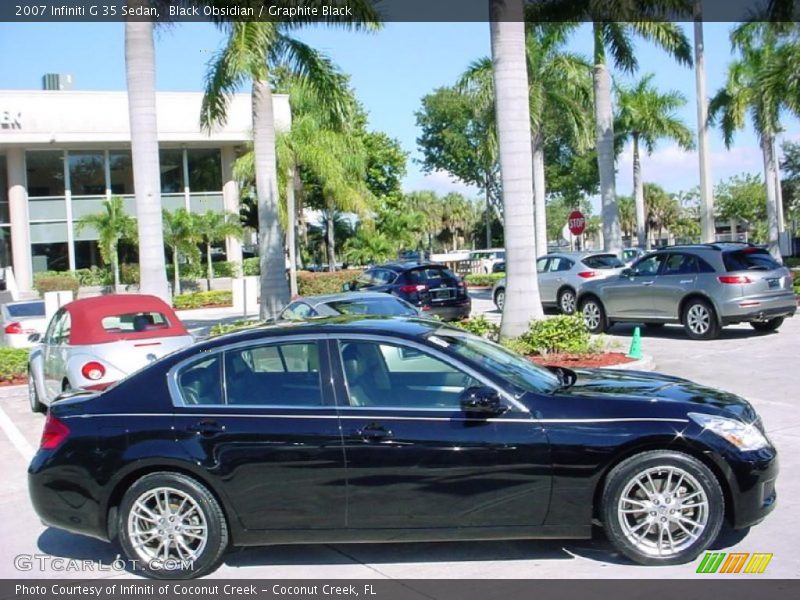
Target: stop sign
point(576, 222)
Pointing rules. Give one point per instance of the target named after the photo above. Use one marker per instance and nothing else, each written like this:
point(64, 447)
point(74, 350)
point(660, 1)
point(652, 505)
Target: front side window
point(680, 264)
point(648, 266)
point(541, 265)
point(274, 375)
point(389, 375)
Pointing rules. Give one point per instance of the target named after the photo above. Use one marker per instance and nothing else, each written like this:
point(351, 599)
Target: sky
point(391, 71)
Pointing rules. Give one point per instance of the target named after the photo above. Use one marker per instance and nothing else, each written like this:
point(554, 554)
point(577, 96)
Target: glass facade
point(66, 185)
point(5, 218)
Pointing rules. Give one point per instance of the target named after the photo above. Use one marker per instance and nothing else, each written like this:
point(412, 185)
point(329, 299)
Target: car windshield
point(373, 306)
point(522, 373)
point(27, 309)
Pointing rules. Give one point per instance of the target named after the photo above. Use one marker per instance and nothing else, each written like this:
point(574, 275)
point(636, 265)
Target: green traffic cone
point(635, 351)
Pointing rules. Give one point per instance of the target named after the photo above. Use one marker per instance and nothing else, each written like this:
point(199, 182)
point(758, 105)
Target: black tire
point(567, 302)
point(594, 315)
point(500, 298)
point(33, 395)
point(203, 508)
point(771, 325)
point(654, 325)
point(700, 320)
point(620, 528)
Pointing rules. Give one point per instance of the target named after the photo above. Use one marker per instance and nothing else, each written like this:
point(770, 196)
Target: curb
point(647, 363)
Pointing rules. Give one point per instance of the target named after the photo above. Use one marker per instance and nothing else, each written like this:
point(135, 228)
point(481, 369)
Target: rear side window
point(431, 277)
point(680, 264)
point(749, 259)
point(130, 322)
point(29, 309)
point(603, 261)
point(201, 382)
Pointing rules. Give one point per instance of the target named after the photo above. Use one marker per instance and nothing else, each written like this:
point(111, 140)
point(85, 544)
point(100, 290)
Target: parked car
point(704, 287)
point(94, 342)
point(20, 320)
point(348, 303)
point(431, 287)
point(394, 430)
point(631, 255)
point(487, 259)
point(561, 275)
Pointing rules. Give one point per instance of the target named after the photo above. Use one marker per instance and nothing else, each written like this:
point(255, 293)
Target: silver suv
point(703, 287)
point(561, 275)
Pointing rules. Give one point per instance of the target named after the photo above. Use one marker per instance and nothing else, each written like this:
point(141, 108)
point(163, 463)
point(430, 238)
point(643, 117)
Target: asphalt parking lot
point(756, 366)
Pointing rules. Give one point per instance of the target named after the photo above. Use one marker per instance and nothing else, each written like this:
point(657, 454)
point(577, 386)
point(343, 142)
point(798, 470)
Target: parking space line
point(15, 436)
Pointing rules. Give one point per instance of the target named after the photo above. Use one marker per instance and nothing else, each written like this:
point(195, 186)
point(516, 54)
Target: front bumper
point(752, 484)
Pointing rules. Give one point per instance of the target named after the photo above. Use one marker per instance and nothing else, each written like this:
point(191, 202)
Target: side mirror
point(627, 273)
point(482, 401)
point(34, 338)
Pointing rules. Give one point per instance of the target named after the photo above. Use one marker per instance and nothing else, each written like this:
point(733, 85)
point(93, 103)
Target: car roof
point(407, 265)
point(581, 254)
point(343, 296)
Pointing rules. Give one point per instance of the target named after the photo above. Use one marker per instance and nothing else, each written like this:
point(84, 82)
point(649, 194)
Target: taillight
point(734, 279)
point(461, 284)
point(15, 327)
point(410, 289)
point(425, 308)
point(54, 433)
point(587, 274)
point(93, 370)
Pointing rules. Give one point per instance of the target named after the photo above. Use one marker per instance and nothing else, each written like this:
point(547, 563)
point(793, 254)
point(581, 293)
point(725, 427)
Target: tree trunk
point(638, 195)
point(300, 223)
point(115, 266)
point(488, 220)
point(209, 266)
point(778, 190)
point(708, 227)
point(274, 287)
point(291, 223)
point(768, 151)
point(604, 130)
point(176, 278)
point(140, 73)
point(522, 303)
point(330, 239)
point(539, 194)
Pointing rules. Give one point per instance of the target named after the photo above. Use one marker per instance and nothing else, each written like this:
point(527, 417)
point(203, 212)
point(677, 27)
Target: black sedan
point(375, 429)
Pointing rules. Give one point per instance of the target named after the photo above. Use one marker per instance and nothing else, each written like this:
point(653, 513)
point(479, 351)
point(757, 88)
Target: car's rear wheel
point(700, 320)
point(566, 301)
point(594, 315)
point(172, 526)
point(500, 298)
point(33, 395)
point(770, 325)
point(662, 507)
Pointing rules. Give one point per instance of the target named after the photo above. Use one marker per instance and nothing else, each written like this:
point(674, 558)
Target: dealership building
point(63, 152)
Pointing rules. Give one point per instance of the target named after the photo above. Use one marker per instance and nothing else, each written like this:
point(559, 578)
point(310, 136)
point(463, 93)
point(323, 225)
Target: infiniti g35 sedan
point(358, 429)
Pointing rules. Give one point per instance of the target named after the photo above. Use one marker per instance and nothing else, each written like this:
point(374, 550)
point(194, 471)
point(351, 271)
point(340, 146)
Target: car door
point(55, 354)
point(629, 296)
point(557, 271)
point(677, 277)
point(416, 460)
point(260, 418)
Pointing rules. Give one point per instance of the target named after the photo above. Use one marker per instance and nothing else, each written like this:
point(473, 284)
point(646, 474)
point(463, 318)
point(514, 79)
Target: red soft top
point(87, 314)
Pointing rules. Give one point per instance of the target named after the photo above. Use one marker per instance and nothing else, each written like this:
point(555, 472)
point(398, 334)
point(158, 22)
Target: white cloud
point(441, 182)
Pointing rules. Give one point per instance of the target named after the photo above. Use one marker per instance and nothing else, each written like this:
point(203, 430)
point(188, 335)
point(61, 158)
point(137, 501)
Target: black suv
point(432, 287)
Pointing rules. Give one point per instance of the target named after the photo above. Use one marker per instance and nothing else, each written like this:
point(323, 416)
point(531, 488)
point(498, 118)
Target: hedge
point(13, 364)
point(56, 282)
point(311, 284)
point(202, 299)
point(483, 279)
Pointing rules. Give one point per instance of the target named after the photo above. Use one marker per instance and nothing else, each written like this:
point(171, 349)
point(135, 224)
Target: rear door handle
point(687, 280)
point(647, 283)
point(206, 427)
point(374, 433)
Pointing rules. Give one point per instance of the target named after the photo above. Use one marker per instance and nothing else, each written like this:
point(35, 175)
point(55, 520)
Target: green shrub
point(241, 324)
point(792, 262)
point(13, 363)
point(94, 276)
point(483, 279)
point(203, 299)
point(481, 326)
point(55, 282)
point(562, 334)
point(129, 273)
point(226, 269)
point(251, 266)
point(311, 284)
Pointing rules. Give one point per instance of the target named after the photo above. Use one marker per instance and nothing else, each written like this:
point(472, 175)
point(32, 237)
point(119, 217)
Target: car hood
point(653, 393)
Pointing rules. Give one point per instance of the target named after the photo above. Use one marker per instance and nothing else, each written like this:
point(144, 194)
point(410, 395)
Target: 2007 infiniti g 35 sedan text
point(375, 429)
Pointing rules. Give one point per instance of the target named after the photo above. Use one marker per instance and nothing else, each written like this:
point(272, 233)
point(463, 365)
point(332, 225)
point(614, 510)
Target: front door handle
point(647, 283)
point(206, 427)
point(374, 433)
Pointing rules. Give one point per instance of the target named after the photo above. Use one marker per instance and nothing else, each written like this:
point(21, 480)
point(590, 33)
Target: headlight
point(746, 437)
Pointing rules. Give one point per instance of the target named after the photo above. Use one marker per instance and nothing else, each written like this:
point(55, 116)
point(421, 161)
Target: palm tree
point(627, 215)
point(213, 227)
point(748, 92)
point(181, 237)
point(645, 115)
point(614, 26)
point(112, 226)
point(252, 49)
point(141, 82)
point(368, 247)
point(707, 223)
point(662, 210)
point(559, 84)
point(523, 302)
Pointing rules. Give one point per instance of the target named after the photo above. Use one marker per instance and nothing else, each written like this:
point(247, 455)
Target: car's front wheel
point(771, 325)
point(594, 315)
point(662, 507)
point(500, 298)
point(172, 526)
point(566, 301)
point(33, 395)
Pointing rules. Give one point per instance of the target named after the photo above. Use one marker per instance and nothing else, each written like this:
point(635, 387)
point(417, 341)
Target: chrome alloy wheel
point(698, 319)
point(167, 524)
point(567, 302)
point(663, 510)
point(591, 315)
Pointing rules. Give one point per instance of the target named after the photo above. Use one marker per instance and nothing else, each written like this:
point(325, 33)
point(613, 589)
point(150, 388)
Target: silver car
point(94, 342)
point(562, 275)
point(703, 287)
point(20, 320)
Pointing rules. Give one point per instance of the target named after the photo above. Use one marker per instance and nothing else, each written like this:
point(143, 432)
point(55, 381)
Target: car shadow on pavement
point(676, 332)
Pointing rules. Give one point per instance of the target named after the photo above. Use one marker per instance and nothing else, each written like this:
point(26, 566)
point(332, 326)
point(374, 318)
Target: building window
point(6, 257)
point(45, 173)
point(205, 170)
point(87, 254)
point(121, 168)
point(87, 173)
point(171, 171)
point(50, 257)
